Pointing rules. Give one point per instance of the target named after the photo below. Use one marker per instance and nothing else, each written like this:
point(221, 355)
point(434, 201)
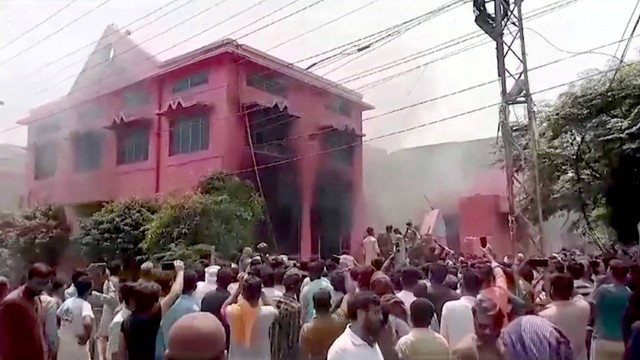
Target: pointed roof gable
point(109, 65)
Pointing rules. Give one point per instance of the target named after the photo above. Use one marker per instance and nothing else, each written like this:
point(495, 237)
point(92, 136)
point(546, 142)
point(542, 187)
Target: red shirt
point(20, 335)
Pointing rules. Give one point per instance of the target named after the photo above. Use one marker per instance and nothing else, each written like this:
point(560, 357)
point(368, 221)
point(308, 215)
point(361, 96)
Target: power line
point(92, 43)
point(137, 45)
point(435, 13)
point(392, 28)
point(45, 38)
point(625, 51)
point(571, 52)
point(420, 126)
point(38, 24)
point(626, 27)
point(323, 24)
point(381, 34)
point(280, 19)
point(395, 27)
point(263, 17)
point(423, 102)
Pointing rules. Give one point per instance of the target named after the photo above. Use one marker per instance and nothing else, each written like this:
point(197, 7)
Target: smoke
point(403, 185)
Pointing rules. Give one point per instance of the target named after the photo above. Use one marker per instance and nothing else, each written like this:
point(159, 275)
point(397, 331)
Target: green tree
point(40, 234)
point(116, 232)
point(581, 137)
point(221, 213)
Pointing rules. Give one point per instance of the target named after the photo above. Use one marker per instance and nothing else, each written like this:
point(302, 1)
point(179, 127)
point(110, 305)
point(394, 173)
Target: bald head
point(196, 336)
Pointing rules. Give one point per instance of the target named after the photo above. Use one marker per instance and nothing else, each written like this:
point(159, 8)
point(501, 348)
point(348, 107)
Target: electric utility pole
point(502, 21)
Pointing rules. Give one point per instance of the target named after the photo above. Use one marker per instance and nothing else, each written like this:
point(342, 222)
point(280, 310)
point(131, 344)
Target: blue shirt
point(306, 297)
point(610, 303)
point(185, 304)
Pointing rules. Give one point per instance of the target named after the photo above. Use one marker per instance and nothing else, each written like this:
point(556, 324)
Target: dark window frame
point(189, 134)
point(88, 147)
point(195, 79)
point(272, 84)
point(90, 113)
point(46, 127)
point(45, 164)
point(340, 106)
point(132, 144)
point(133, 98)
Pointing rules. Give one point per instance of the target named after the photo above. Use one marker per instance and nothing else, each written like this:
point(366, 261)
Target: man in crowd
point(422, 342)
point(213, 300)
point(385, 242)
point(316, 283)
point(197, 336)
point(570, 314)
point(317, 336)
point(21, 336)
point(370, 247)
point(185, 304)
point(439, 293)
point(249, 320)
point(610, 301)
point(76, 323)
point(457, 315)
point(286, 326)
point(359, 339)
point(483, 344)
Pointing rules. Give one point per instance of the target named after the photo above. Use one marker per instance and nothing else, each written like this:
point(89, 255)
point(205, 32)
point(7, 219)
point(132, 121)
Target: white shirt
point(271, 292)
point(407, 297)
point(371, 249)
point(457, 320)
point(260, 347)
point(350, 346)
point(71, 314)
point(572, 318)
point(114, 331)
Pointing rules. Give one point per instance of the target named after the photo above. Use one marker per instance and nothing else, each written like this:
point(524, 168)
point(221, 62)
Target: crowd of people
point(439, 305)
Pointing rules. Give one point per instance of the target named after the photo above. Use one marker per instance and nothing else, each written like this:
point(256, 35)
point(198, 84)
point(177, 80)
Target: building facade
point(13, 161)
point(134, 126)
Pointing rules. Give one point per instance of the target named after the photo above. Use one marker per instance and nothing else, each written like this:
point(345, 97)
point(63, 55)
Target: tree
point(581, 138)
point(116, 232)
point(222, 213)
point(40, 234)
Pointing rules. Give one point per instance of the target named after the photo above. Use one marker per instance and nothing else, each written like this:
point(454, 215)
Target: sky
point(41, 54)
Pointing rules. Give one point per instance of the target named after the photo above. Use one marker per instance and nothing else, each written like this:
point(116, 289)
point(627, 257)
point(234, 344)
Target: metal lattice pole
point(505, 27)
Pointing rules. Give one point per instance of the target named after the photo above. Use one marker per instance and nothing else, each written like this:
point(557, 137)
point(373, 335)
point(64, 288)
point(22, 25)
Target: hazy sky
point(27, 79)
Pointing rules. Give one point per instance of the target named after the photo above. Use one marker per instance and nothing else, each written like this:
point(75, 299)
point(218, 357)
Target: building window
point(46, 160)
point(268, 83)
point(135, 97)
point(90, 113)
point(189, 134)
point(46, 127)
point(87, 151)
point(340, 107)
point(133, 145)
point(193, 80)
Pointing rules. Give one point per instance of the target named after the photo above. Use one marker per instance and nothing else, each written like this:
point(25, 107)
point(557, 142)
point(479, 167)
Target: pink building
point(485, 212)
point(135, 126)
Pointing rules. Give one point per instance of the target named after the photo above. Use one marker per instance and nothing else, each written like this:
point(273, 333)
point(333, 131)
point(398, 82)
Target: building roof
point(116, 74)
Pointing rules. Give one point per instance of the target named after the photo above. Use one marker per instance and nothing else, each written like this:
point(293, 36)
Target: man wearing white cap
point(209, 283)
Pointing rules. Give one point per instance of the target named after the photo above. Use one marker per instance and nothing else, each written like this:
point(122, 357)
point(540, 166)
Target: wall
point(13, 160)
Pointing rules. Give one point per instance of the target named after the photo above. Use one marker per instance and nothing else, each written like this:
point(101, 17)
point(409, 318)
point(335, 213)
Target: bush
point(116, 232)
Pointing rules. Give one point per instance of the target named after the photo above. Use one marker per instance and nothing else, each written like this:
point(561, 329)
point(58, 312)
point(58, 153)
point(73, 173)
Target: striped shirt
point(285, 330)
point(534, 338)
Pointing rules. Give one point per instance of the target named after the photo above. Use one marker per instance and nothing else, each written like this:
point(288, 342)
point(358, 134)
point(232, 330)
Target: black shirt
point(140, 332)
point(212, 302)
